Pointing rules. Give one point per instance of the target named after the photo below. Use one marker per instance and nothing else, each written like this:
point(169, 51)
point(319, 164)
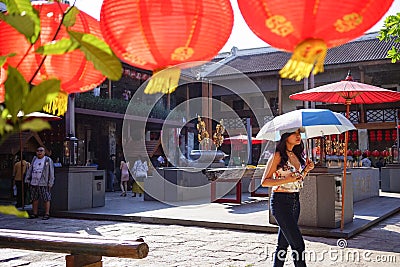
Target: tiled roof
point(365, 48)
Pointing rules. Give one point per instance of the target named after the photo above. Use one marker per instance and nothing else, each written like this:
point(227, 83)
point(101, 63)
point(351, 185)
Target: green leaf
point(59, 47)
point(35, 125)
point(98, 52)
point(70, 16)
point(2, 60)
point(3, 124)
point(24, 18)
point(391, 31)
point(22, 24)
point(16, 90)
point(41, 95)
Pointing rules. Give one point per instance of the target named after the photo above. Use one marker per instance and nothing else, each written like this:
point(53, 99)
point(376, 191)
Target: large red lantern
point(309, 28)
point(75, 72)
point(155, 35)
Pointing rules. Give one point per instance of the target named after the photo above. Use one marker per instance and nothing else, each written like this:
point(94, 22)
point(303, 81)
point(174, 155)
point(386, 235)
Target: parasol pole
point(346, 139)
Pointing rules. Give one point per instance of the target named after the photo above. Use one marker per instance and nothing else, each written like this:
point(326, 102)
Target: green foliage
point(23, 17)
point(59, 47)
point(98, 52)
point(23, 98)
point(16, 91)
point(20, 100)
point(70, 17)
point(391, 31)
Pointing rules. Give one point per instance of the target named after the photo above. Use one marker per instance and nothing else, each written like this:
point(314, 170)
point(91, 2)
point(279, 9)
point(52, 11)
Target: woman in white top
point(139, 172)
point(285, 172)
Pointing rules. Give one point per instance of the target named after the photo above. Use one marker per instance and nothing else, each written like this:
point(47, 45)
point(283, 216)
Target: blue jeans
point(286, 209)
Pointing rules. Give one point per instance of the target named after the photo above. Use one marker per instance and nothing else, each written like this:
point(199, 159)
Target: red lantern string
point(367, 153)
point(75, 72)
point(355, 136)
point(155, 35)
point(309, 28)
point(375, 153)
point(357, 153)
point(394, 135)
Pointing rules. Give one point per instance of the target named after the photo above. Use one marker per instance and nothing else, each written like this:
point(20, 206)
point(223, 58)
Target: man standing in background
point(40, 177)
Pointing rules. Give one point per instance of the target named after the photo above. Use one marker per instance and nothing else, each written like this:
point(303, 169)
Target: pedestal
point(78, 188)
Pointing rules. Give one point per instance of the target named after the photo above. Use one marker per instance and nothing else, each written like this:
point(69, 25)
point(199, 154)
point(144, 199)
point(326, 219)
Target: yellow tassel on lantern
point(164, 81)
point(307, 55)
point(59, 105)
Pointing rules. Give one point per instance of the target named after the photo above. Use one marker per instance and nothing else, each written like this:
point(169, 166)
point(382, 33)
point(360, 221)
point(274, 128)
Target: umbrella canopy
point(348, 92)
point(316, 122)
point(242, 139)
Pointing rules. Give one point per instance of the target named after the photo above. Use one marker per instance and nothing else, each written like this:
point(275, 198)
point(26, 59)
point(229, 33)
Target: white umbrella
point(316, 122)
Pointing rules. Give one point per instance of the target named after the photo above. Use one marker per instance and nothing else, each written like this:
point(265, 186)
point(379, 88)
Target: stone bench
point(83, 250)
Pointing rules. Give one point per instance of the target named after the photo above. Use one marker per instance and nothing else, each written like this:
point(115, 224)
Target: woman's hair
point(297, 150)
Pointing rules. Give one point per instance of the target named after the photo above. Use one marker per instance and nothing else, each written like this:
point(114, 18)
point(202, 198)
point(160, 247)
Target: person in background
point(124, 167)
point(365, 161)
point(40, 177)
point(139, 172)
point(19, 174)
point(285, 172)
point(111, 173)
point(381, 163)
point(57, 162)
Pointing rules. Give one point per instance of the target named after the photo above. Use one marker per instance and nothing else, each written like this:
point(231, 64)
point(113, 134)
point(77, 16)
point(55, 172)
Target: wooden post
point(83, 260)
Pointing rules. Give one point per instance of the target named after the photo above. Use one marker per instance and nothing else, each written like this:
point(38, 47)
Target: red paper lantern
point(309, 28)
point(367, 153)
point(394, 135)
point(357, 153)
point(75, 72)
point(387, 136)
point(385, 153)
point(349, 153)
point(155, 35)
point(354, 136)
point(375, 153)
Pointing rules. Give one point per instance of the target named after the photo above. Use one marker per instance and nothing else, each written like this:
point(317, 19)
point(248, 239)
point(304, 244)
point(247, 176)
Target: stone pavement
point(173, 245)
point(252, 214)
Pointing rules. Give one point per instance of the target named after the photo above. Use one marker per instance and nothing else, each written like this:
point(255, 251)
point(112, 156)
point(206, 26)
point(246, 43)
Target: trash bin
point(99, 199)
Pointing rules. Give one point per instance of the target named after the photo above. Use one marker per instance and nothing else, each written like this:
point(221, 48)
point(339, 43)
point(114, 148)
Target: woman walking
point(285, 172)
point(124, 167)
